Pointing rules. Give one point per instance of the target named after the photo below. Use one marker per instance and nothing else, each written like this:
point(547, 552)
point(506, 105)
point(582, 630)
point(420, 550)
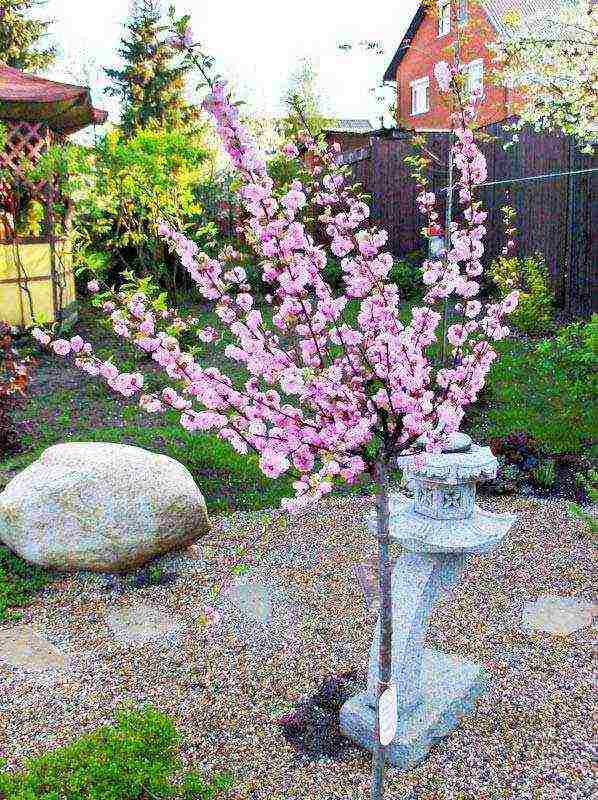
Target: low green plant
point(508, 479)
point(155, 573)
point(544, 474)
point(138, 757)
point(572, 353)
point(536, 299)
point(589, 483)
point(406, 272)
point(19, 581)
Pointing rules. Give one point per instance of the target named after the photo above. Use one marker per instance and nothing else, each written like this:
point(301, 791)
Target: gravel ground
point(225, 686)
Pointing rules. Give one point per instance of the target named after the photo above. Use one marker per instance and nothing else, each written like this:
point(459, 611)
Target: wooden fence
point(545, 177)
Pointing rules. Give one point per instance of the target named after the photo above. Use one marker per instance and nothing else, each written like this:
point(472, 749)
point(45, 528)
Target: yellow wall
point(32, 262)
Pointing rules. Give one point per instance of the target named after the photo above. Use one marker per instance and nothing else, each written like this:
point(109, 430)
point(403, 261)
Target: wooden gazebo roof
point(64, 108)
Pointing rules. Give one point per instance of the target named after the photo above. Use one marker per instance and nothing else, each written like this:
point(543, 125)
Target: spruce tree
point(21, 35)
point(151, 83)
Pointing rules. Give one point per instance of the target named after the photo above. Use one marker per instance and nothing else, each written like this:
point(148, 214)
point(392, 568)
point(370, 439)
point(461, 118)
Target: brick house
point(428, 39)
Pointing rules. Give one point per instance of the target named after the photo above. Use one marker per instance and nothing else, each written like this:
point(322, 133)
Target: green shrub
point(526, 392)
point(530, 275)
point(136, 758)
point(572, 353)
point(19, 581)
point(407, 274)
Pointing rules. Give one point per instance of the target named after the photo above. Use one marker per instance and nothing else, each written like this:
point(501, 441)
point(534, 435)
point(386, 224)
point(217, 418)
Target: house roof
point(350, 126)
point(496, 10)
point(391, 72)
point(64, 107)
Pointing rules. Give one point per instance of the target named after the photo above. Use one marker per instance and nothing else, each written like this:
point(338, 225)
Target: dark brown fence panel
point(557, 215)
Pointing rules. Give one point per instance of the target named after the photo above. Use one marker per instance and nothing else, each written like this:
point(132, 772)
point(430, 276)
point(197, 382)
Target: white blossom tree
point(554, 62)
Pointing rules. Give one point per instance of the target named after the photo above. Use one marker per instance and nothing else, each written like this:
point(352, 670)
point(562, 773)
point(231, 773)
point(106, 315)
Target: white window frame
point(468, 69)
point(444, 17)
point(416, 87)
point(462, 11)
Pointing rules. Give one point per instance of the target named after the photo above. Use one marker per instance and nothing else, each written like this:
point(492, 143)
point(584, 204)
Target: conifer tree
point(21, 35)
point(151, 82)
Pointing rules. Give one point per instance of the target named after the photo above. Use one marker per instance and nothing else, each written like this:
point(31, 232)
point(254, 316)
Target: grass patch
point(135, 759)
point(19, 582)
point(524, 392)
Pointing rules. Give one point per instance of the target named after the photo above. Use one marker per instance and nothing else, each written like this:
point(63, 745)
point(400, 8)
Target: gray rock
point(100, 507)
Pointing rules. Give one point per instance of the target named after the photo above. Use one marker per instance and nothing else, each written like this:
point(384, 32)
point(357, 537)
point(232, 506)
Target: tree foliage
point(151, 82)
point(555, 64)
point(303, 102)
point(21, 35)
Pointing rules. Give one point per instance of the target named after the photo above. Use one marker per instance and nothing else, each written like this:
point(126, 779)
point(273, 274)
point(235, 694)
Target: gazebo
point(36, 273)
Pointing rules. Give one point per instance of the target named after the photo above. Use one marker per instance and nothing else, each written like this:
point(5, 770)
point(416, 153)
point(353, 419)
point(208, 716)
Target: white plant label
point(387, 715)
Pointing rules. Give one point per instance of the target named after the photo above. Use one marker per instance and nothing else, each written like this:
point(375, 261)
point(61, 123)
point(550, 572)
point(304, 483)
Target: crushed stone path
point(525, 612)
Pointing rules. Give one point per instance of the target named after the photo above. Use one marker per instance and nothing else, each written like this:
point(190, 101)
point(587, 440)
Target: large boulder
point(100, 507)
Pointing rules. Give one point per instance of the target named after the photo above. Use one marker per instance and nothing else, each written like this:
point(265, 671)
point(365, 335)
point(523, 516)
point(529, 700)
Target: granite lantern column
point(437, 528)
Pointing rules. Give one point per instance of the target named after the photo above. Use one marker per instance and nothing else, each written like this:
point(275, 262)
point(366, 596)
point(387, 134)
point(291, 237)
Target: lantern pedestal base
point(450, 685)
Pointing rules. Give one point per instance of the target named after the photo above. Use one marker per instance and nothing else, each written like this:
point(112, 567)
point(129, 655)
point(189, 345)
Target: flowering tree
point(336, 385)
point(554, 61)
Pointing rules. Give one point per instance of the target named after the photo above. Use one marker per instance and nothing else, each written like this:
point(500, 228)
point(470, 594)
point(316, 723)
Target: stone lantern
point(437, 528)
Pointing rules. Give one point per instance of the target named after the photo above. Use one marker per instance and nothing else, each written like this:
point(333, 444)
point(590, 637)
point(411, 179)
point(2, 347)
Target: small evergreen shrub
point(134, 759)
point(530, 275)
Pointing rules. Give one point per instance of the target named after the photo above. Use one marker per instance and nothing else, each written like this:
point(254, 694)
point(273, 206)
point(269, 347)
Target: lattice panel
point(26, 141)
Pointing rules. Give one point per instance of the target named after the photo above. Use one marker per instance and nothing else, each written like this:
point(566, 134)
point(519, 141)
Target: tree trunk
point(384, 585)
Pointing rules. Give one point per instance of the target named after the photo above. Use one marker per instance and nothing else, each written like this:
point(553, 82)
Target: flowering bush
point(325, 397)
point(340, 388)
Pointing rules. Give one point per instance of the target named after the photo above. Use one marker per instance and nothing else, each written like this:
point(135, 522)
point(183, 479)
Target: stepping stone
point(23, 647)
point(560, 616)
point(253, 599)
point(138, 624)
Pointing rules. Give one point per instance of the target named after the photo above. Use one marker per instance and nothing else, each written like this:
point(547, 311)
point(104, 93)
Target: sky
point(256, 43)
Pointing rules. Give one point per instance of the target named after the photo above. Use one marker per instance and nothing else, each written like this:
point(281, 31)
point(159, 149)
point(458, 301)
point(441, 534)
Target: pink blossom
point(61, 347)
point(93, 286)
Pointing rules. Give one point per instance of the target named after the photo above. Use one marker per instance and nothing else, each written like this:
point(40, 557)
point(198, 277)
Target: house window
point(444, 18)
point(419, 96)
point(475, 76)
point(462, 13)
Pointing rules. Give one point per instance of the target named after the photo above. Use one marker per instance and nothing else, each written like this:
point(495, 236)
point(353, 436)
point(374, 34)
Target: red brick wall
point(427, 49)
